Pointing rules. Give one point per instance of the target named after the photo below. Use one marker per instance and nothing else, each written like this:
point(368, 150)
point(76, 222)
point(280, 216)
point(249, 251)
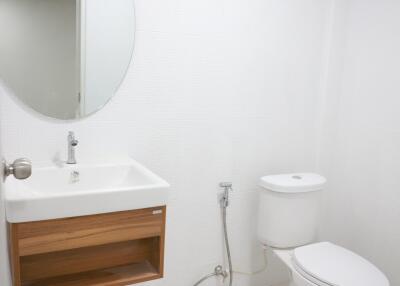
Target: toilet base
point(296, 279)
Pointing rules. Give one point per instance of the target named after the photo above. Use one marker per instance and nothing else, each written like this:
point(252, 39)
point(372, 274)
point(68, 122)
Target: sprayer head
point(227, 186)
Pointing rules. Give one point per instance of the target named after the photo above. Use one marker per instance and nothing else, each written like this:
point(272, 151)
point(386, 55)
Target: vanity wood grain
point(96, 250)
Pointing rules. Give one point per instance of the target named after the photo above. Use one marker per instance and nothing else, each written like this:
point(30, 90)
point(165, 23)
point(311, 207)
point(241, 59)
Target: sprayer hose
point(228, 250)
point(205, 278)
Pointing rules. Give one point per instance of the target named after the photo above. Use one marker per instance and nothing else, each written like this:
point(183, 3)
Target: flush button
point(297, 177)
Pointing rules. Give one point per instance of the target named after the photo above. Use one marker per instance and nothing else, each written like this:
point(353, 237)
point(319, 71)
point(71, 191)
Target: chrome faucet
point(72, 143)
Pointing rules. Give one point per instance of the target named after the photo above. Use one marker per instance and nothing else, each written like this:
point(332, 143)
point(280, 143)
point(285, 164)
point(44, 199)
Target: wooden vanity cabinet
point(113, 249)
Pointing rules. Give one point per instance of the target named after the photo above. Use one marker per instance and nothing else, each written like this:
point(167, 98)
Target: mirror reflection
point(65, 58)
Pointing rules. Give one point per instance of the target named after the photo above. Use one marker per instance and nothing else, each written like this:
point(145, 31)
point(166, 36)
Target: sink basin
point(83, 189)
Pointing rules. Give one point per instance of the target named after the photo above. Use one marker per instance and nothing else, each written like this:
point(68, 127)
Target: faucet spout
point(72, 143)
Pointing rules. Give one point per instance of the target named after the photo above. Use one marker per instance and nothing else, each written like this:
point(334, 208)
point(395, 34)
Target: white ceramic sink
point(58, 192)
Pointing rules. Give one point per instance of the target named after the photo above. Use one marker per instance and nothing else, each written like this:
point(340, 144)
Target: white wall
point(38, 53)
point(4, 263)
point(361, 139)
point(218, 90)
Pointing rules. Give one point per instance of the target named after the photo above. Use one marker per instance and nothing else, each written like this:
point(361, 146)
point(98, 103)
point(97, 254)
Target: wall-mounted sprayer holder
point(227, 186)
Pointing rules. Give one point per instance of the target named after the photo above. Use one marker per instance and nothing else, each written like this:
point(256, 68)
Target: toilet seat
point(309, 277)
point(326, 264)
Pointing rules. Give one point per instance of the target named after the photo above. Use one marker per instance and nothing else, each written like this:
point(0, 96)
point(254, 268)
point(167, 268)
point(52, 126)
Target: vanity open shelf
point(113, 249)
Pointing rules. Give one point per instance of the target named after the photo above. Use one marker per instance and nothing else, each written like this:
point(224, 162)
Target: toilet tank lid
point(335, 265)
point(293, 183)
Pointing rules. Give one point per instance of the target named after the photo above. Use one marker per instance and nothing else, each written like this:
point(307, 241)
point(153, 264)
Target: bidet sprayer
point(227, 186)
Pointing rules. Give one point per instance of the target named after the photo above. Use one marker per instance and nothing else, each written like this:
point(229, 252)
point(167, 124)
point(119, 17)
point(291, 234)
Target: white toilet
point(288, 222)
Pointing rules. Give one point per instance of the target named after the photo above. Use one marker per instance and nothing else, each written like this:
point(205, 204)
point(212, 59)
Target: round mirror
point(65, 58)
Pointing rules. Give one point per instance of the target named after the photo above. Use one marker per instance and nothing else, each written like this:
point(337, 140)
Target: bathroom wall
point(218, 90)
point(4, 264)
point(360, 148)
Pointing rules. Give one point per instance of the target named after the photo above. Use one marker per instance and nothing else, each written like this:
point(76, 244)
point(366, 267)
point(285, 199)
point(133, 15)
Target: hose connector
point(219, 271)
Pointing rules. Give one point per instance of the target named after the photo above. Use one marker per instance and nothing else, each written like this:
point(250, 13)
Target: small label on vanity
point(157, 212)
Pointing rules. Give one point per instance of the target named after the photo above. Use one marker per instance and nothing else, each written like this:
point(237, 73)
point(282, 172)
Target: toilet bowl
point(289, 207)
point(326, 264)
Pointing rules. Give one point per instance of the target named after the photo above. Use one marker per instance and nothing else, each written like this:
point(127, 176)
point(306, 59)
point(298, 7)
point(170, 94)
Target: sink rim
point(26, 204)
point(27, 192)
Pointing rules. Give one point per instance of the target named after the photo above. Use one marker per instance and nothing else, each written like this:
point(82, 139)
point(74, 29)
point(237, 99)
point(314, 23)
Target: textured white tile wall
point(361, 154)
point(4, 265)
point(218, 90)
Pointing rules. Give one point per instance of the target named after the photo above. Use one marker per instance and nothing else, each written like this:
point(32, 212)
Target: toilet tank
point(289, 207)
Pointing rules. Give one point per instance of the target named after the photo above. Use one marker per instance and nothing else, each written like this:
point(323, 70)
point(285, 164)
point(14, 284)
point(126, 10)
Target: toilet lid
point(293, 183)
point(331, 265)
